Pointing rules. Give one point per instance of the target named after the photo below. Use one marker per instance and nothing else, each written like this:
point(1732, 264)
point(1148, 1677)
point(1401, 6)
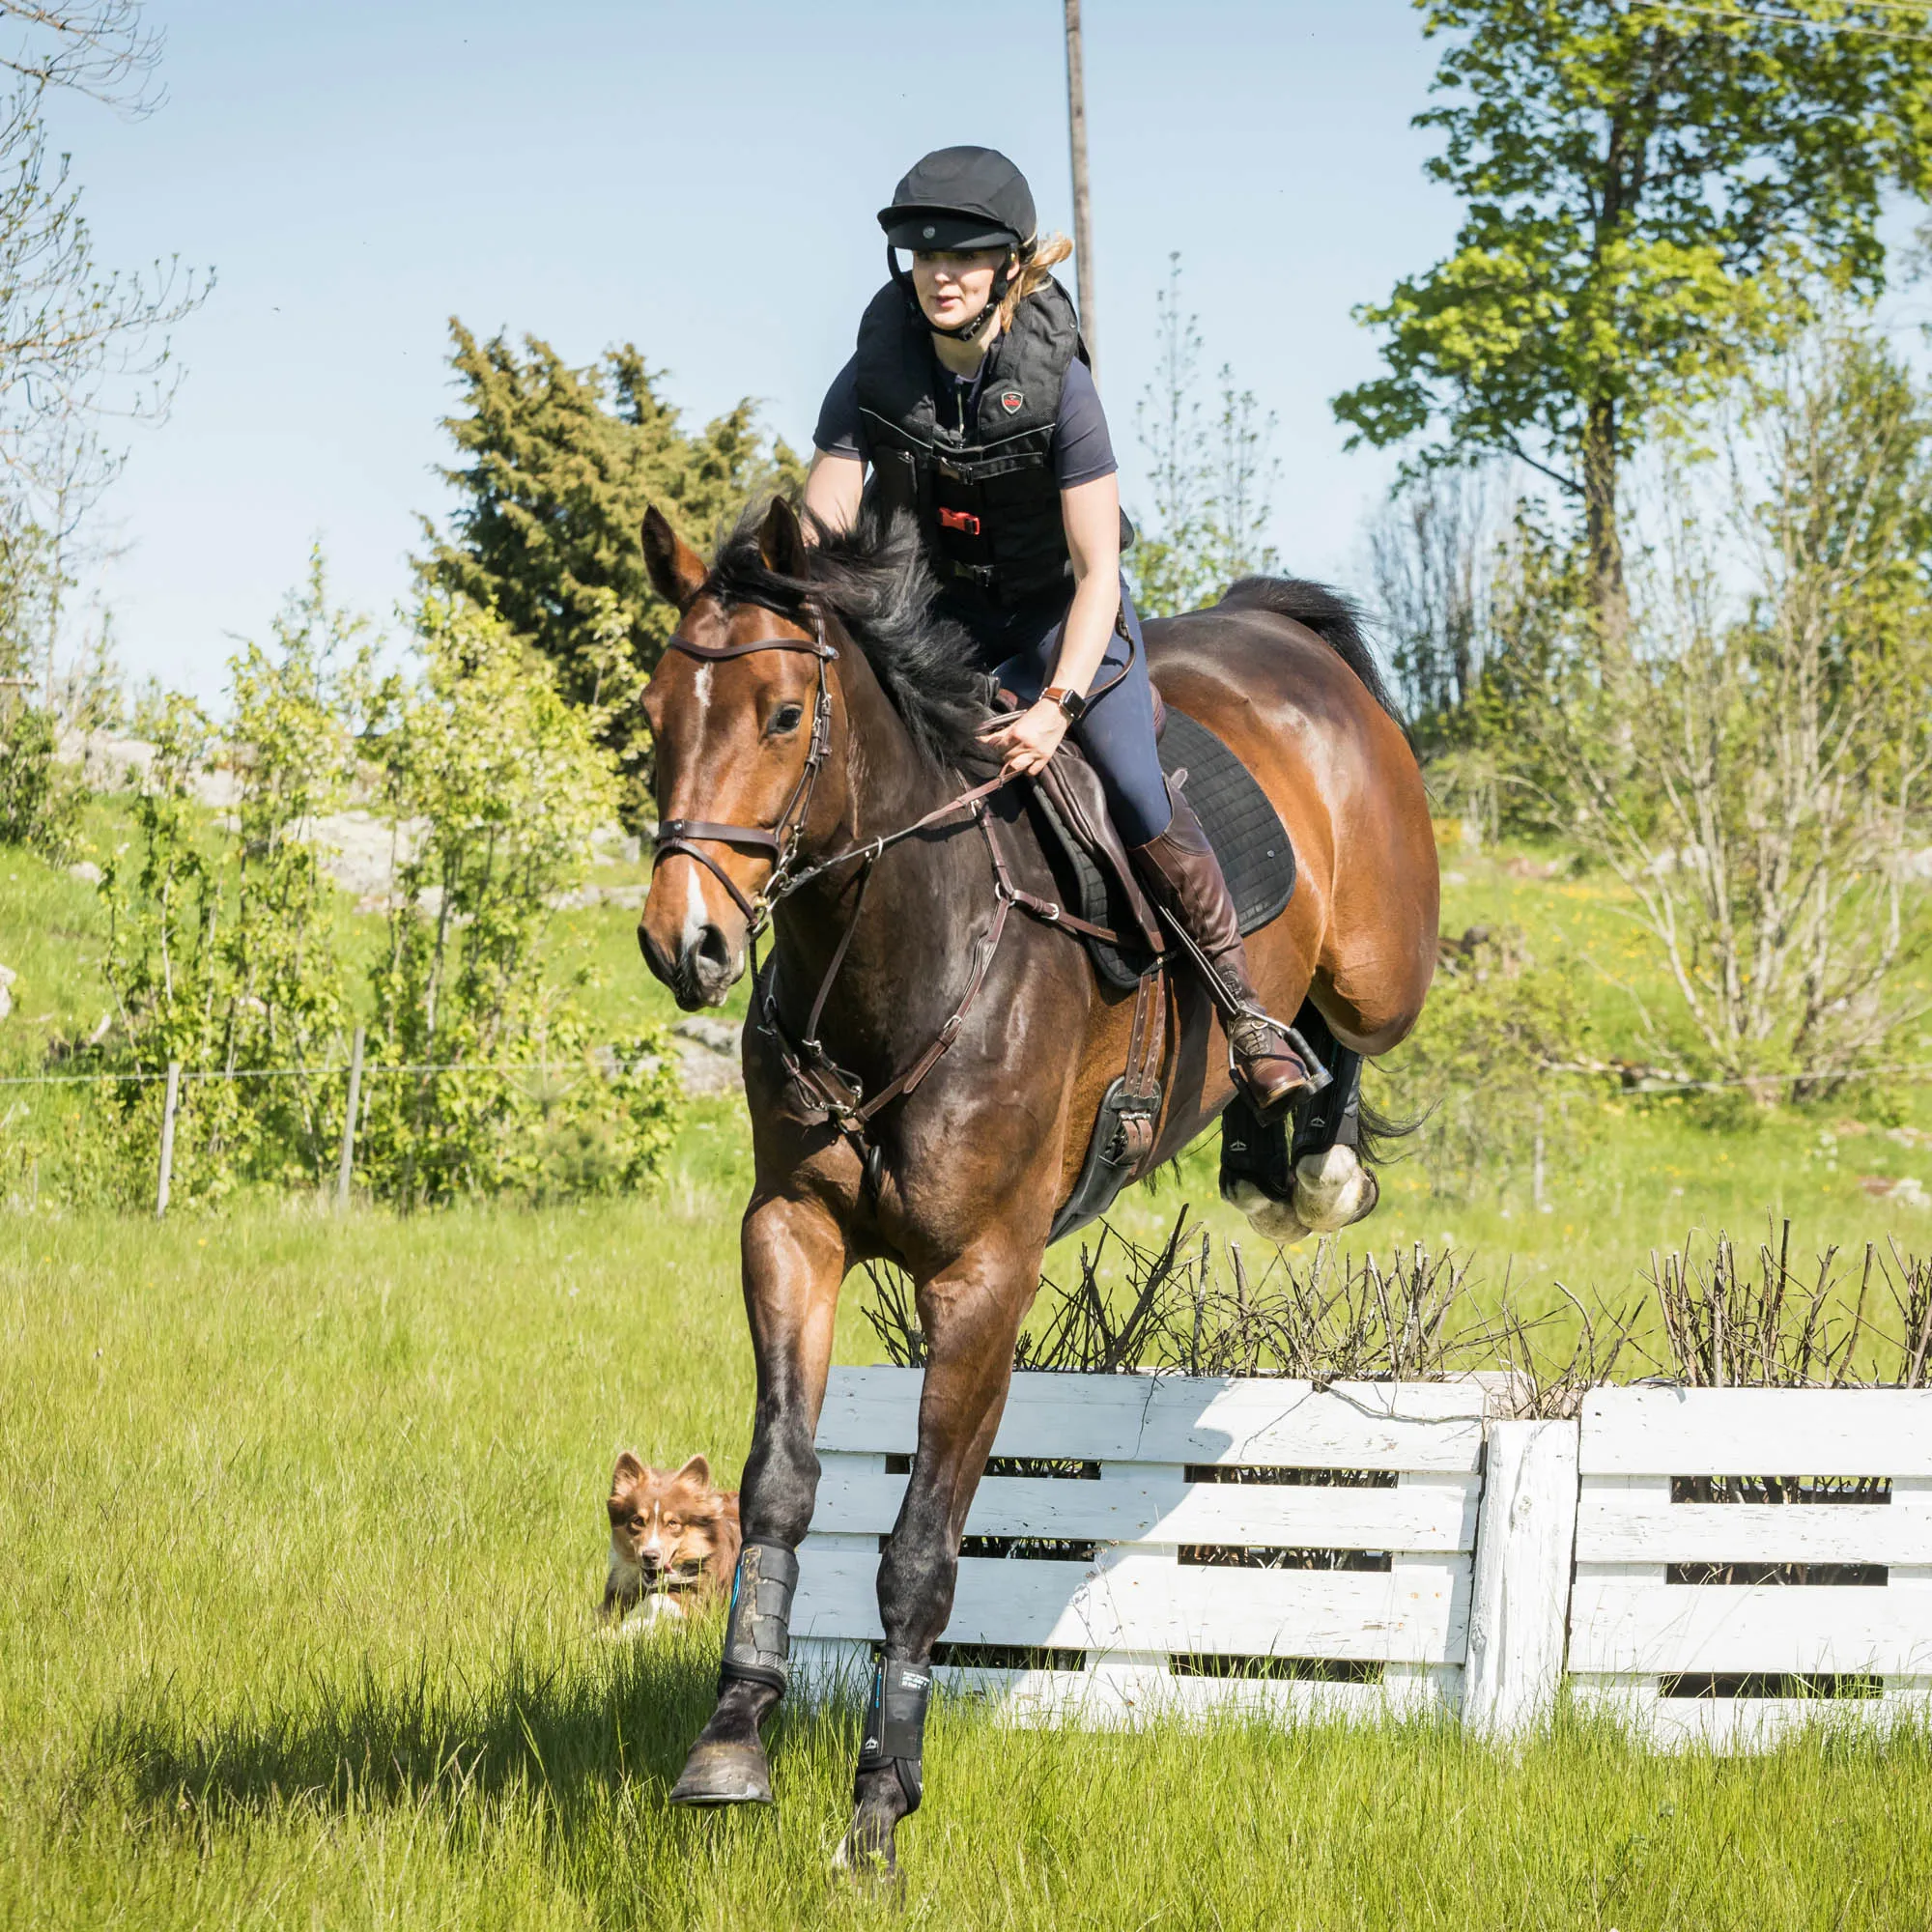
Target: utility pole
point(1083, 218)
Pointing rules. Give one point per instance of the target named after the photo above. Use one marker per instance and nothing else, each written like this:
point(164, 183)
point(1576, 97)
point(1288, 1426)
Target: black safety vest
point(984, 495)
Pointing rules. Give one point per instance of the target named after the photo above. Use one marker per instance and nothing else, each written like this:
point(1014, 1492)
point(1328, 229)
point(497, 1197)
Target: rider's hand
point(1026, 742)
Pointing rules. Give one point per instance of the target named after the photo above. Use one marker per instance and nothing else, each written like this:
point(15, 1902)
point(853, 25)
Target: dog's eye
point(672, 1525)
point(636, 1522)
point(784, 720)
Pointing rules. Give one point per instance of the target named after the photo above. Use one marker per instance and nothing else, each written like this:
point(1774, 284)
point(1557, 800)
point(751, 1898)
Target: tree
point(1652, 191)
point(1779, 744)
point(78, 345)
point(501, 781)
point(1429, 556)
point(559, 465)
point(1211, 478)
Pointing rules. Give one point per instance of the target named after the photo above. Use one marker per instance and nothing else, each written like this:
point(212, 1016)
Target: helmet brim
point(933, 231)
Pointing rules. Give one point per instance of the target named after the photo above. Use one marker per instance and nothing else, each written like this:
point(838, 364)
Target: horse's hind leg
point(1317, 1183)
point(972, 1314)
point(794, 1261)
point(1334, 1187)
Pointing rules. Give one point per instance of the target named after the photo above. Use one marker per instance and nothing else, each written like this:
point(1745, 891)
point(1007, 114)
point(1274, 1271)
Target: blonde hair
point(1034, 273)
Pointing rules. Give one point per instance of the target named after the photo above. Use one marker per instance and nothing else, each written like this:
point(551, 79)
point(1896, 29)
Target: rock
point(719, 1036)
point(360, 851)
point(705, 1072)
point(708, 1056)
point(1904, 1191)
point(86, 871)
point(7, 978)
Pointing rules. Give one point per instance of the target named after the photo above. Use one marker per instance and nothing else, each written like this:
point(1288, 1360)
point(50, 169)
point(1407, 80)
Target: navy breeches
point(1116, 736)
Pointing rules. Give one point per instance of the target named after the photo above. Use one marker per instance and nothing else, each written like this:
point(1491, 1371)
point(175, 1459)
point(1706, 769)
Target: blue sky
point(702, 179)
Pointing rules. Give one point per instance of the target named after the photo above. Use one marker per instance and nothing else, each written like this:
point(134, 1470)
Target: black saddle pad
point(1243, 828)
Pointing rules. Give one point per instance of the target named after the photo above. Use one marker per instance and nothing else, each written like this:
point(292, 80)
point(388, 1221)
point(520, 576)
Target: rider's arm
point(833, 487)
point(1091, 515)
point(1091, 512)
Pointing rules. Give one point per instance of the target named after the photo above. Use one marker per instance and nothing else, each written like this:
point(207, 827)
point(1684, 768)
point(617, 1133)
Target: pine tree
point(559, 464)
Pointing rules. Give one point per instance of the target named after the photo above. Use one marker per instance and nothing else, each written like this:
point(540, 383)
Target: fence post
point(168, 1107)
point(349, 1124)
point(1525, 1540)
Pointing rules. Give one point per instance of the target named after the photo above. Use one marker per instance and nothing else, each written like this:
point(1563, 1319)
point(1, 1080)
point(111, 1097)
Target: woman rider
point(970, 399)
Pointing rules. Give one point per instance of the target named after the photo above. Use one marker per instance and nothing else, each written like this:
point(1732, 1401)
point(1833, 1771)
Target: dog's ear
point(697, 1471)
point(676, 571)
point(627, 1472)
point(782, 541)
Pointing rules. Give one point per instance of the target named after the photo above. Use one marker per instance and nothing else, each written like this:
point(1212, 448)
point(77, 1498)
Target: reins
point(833, 1095)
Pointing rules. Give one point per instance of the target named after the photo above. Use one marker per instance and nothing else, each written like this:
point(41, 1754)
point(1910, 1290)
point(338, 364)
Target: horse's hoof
point(1272, 1220)
point(725, 1774)
point(1334, 1190)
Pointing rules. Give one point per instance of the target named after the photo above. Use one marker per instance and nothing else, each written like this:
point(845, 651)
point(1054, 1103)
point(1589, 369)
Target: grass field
point(303, 1533)
point(302, 1530)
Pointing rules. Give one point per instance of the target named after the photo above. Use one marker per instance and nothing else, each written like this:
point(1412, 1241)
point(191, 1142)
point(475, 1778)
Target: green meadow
point(302, 1522)
point(303, 1530)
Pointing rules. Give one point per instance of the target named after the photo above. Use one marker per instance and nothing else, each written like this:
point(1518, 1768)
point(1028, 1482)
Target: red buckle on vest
point(959, 520)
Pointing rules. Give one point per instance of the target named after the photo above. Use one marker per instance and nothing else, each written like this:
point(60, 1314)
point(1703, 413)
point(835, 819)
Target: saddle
point(1122, 934)
point(1089, 863)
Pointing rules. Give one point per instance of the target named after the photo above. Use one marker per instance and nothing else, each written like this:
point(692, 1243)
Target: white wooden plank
point(1618, 1626)
point(1521, 1584)
point(1127, 1506)
point(1673, 1432)
point(1183, 1419)
point(1143, 1606)
point(1912, 1499)
point(1611, 1530)
point(1044, 1697)
point(1741, 1724)
point(824, 1667)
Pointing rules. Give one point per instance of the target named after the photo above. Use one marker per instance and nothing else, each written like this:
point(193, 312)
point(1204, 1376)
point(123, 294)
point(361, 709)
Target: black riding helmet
point(956, 200)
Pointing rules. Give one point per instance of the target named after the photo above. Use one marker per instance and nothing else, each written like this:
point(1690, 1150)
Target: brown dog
point(673, 1539)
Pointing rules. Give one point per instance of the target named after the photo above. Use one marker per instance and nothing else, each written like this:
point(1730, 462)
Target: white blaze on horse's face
point(730, 739)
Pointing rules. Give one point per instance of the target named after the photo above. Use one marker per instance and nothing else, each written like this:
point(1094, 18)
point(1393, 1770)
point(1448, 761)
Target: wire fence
point(356, 1070)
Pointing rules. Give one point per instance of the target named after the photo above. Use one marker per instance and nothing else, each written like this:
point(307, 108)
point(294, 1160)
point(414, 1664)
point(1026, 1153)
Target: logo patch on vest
point(1011, 400)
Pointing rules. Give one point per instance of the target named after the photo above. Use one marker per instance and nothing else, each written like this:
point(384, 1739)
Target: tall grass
point(303, 1535)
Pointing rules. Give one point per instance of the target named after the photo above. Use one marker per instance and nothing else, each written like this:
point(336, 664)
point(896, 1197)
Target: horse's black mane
point(1333, 618)
point(874, 579)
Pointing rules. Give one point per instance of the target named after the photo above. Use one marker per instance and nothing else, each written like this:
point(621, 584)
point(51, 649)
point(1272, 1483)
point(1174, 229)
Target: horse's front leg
point(970, 1312)
point(794, 1261)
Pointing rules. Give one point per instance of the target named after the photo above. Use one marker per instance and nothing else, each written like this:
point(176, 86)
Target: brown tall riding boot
point(1185, 878)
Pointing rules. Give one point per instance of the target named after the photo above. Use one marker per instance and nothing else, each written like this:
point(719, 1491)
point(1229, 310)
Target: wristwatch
point(1073, 706)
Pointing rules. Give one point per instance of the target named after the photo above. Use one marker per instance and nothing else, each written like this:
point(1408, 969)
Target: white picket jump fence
point(1152, 1597)
point(1462, 1566)
point(1686, 1659)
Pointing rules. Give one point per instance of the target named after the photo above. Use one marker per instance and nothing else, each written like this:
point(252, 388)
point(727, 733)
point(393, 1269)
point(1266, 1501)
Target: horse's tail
point(1335, 620)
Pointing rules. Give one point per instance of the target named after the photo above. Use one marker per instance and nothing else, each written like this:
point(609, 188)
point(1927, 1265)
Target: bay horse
point(924, 1072)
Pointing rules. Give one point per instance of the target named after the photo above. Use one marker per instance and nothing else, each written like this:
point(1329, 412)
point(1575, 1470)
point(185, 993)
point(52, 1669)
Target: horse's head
point(738, 708)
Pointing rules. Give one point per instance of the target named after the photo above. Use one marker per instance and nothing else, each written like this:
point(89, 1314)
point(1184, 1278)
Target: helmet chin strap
point(966, 331)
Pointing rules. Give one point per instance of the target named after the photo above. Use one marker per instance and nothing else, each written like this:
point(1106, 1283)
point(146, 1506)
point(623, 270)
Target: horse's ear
point(782, 542)
point(676, 571)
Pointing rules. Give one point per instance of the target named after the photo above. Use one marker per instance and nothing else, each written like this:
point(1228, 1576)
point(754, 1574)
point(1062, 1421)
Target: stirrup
point(1318, 1076)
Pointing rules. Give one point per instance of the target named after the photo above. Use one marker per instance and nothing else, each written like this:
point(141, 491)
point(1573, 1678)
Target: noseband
point(781, 840)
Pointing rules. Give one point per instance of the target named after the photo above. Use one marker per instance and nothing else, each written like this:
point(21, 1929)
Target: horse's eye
point(786, 717)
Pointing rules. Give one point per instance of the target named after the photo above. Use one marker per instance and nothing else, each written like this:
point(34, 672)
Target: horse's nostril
point(713, 952)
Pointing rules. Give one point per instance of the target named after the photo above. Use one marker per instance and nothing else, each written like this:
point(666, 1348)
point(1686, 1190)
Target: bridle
point(782, 838)
point(830, 1094)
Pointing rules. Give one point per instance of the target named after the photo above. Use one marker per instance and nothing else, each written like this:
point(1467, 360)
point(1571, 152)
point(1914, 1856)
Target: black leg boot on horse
point(1309, 1176)
point(1180, 870)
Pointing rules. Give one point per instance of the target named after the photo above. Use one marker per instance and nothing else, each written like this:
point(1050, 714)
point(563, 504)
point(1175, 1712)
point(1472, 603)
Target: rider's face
point(953, 289)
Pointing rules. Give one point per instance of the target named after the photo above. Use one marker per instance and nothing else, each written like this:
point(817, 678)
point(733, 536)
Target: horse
point(922, 1071)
